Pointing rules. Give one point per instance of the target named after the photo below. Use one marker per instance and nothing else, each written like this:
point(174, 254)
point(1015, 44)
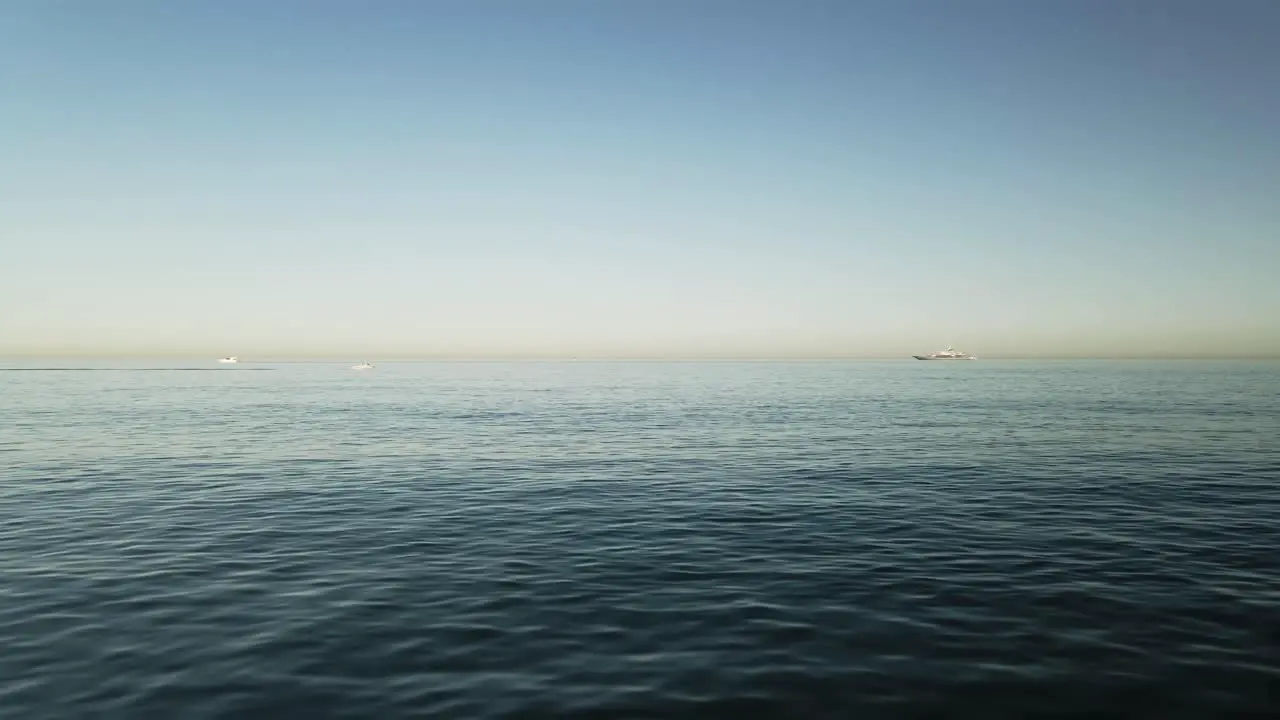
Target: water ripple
point(583, 540)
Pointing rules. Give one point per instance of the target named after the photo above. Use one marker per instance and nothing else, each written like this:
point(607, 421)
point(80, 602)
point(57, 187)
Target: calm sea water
point(665, 540)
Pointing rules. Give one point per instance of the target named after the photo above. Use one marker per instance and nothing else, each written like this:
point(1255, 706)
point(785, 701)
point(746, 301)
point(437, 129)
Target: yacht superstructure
point(949, 354)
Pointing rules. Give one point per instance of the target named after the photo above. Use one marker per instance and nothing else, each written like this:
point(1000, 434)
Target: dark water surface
point(598, 540)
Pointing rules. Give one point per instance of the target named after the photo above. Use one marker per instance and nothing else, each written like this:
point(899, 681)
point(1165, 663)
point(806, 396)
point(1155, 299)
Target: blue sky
point(639, 177)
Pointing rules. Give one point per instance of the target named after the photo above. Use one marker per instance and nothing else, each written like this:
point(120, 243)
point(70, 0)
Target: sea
point(871, 539)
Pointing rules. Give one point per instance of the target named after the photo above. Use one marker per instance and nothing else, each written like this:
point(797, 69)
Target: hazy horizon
point(647, 180)
point(561, 357)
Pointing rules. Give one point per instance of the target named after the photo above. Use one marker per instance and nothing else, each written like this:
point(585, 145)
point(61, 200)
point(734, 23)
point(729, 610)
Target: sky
point(639, 178)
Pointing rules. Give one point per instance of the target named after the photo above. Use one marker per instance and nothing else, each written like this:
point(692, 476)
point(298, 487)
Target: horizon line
point(331, 358)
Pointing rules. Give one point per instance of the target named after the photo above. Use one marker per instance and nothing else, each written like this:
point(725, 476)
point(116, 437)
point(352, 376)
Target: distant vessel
point(229, 360)
point(948, 354)
point(363, 366)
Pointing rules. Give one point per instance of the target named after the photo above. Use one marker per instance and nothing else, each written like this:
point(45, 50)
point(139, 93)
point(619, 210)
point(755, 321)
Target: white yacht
point(229, 360)
point(948, 354)
point(366, 365)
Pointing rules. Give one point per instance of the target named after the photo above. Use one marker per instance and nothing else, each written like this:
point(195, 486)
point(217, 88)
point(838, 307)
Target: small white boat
point(229, 360)
point(363, 366)
point(949, 354)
